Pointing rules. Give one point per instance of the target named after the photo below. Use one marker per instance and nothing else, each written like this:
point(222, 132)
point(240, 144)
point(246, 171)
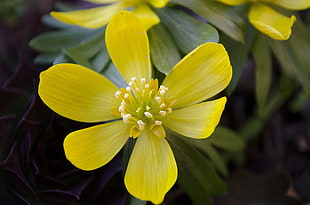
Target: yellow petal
point(196, 121)
point(270, 22)
point(200, 75)
point(291, 4)
point(78, 93)
point(93, 147)
point(89, 18)
point(233, 2)
point(128, 46)
point(152, 169)
point(147, 16)
point(158, 3)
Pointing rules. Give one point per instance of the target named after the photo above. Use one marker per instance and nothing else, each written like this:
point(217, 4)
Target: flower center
point(143, 105)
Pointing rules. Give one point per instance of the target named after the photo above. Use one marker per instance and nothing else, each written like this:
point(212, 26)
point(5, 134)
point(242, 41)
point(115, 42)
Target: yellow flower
point(100, 16)
point(142, 110)
point(267, 20)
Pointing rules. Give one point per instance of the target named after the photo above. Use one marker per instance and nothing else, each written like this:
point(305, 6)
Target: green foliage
point(187, 31)
point(164, 52)
point(218, 14)
point(197, 177)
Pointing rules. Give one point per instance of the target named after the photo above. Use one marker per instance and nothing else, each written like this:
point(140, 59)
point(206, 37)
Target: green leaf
point(89, 48)
point(205, 146)
point(290, 63)
point(222, 16)
point(187, 31)
point(300, 42)
point(238, 54)
point(196, 176)
point(54, 41)
point(46, 58)
point(63, 59)
point(164, 52)
point(226, 139)
point(135, 201)
point(114, 76)
point(127, 150)
point(262, 56)
point(82, 53)
point(101, 60)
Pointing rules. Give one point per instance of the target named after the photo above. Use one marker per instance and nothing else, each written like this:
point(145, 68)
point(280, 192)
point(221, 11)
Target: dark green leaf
point(53, 41)
point(290, 63)
point(222, 16)
point(300, 42)
point(227, 139)
point(187, 31)
point(263, 74)
point(46, 58)
point(135, 201)
point(238, 54)
point(205, 146)
point(196, 176)
point(164, 52)
point(114, 76)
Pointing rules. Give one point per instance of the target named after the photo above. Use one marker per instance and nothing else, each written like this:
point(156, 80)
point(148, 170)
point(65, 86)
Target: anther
point(148, 114)
point(162, 90)
point(147, 86)
point(126, 117)
point(169, 110)
point(158, 99)
point(141, 124)
point(148, 107)
point(128, 88)
point(157, 122)
point(117, 94)
point(137, 110)
point(126, 95)
point(143, 80)
point(163, 113)
point(162, 105)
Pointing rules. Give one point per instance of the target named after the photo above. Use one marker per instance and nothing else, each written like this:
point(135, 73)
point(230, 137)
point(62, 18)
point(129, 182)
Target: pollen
point(143, 106)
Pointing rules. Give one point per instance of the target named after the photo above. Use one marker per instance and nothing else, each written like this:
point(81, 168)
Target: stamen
point(169, 110)
point(133, 79)
point(148, 114)
point(126, 117)
point(141, 124)
point(117, 94)
point(147, 86)
point(162, 90)
point(121, 108)
point(126, 95)
point(137, 110)
point(148, 107)
point(138, 90)
point(143, 80)
point(163, 113)
point(157, 122)
point(158, 99)
point(162, 105)
point(128, 89)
